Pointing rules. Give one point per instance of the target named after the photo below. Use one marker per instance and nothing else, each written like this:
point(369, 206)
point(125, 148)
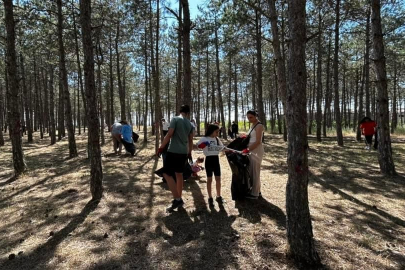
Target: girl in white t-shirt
point(211, 146)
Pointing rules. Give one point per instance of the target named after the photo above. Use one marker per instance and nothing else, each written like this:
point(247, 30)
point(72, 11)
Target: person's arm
point(190, 142)
point(259, 134)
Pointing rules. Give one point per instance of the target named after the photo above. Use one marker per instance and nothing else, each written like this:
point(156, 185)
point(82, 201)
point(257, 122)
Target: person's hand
point(246, 151)
point(203, 145)
point(160, 151)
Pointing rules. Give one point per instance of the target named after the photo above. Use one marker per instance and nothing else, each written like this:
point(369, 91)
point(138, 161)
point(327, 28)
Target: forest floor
point(48, 221)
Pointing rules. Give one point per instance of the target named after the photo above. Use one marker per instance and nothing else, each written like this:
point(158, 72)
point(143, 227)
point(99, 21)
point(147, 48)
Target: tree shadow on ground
point(253, 209)
point(370, 220)
point(42, 254)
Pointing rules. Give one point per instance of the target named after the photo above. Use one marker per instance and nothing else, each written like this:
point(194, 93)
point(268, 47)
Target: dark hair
point(253, 112)
point(211, 128)
point(185, 109)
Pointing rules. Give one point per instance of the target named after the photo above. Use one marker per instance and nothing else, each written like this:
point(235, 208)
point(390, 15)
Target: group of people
point(179, 139)
point(177, 147)
point(122, 135)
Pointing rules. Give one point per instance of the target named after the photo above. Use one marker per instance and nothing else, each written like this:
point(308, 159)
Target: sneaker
point(210, 201)
point(251, 197)
point(220, 200)
point(175, 204)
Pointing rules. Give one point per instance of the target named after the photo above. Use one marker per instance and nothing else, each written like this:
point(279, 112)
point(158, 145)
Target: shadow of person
point(252, 210)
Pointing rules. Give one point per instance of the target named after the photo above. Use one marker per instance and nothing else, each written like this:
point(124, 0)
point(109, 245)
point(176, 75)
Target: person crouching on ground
point(126, 132)
point(211, 146)
point(255, 147)
point(116, 137)
point(180, 137)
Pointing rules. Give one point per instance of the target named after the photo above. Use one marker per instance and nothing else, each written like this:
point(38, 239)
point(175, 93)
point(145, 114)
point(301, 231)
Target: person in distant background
point(367, 126)
point(165, 126)
point(235, 129)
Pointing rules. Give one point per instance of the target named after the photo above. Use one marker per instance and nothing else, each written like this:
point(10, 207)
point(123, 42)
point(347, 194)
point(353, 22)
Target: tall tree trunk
point(179, 91)
point(79, 68)
point(51, 105)
point(394, 122)
point(198, 116)
point(96, 170)
point(279, 57)
point(2, 103)
point(260, 107)
point(13, 91)
point(186, 54)
point(299, 227)
point(220, 103)
point(112, 116)
point(155, 74)
point(319, 81)
point(121, 90)
point(356, 93)
point(360, 114)
point(339, 132)
point(367, 64)
point(235, 89)
point(65, 87)
point(387, 166)
point(328, 99)
point(26, 100)
point(100, 61)
point(145, 116)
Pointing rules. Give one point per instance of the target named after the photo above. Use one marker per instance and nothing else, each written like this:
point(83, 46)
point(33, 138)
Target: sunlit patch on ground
point(48, 222)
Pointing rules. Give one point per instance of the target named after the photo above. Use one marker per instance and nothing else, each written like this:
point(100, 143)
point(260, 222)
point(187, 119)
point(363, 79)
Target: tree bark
point(13, 91)
point(299, 227)
point(2, 103)
point(278, 55)
point(65, 87)
point(394, 113)
point(121, 90)
point(112, 116)
point(259, 57)
point(51, 105)
point(319, 81)
point(328, 99)
point(96, 170)
point(339, 133)
point(186, 54)
point(79, 68)
point(367, 64)
point(221, 105)
point(26, 100)
point(179, 91)
point(387, 166)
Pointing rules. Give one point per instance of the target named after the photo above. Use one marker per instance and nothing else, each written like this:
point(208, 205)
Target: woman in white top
point(256, 149)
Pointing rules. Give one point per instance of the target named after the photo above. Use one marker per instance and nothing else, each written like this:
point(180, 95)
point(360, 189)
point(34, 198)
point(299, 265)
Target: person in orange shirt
point(368, 126)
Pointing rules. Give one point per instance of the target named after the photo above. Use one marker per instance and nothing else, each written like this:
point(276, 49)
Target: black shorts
point(174, 163)
point(212, 166)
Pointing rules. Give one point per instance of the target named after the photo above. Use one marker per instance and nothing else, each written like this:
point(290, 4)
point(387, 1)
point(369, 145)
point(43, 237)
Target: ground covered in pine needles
point(48, 222)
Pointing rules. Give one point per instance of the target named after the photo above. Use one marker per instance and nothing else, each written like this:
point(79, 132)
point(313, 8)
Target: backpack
point(135, 137)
